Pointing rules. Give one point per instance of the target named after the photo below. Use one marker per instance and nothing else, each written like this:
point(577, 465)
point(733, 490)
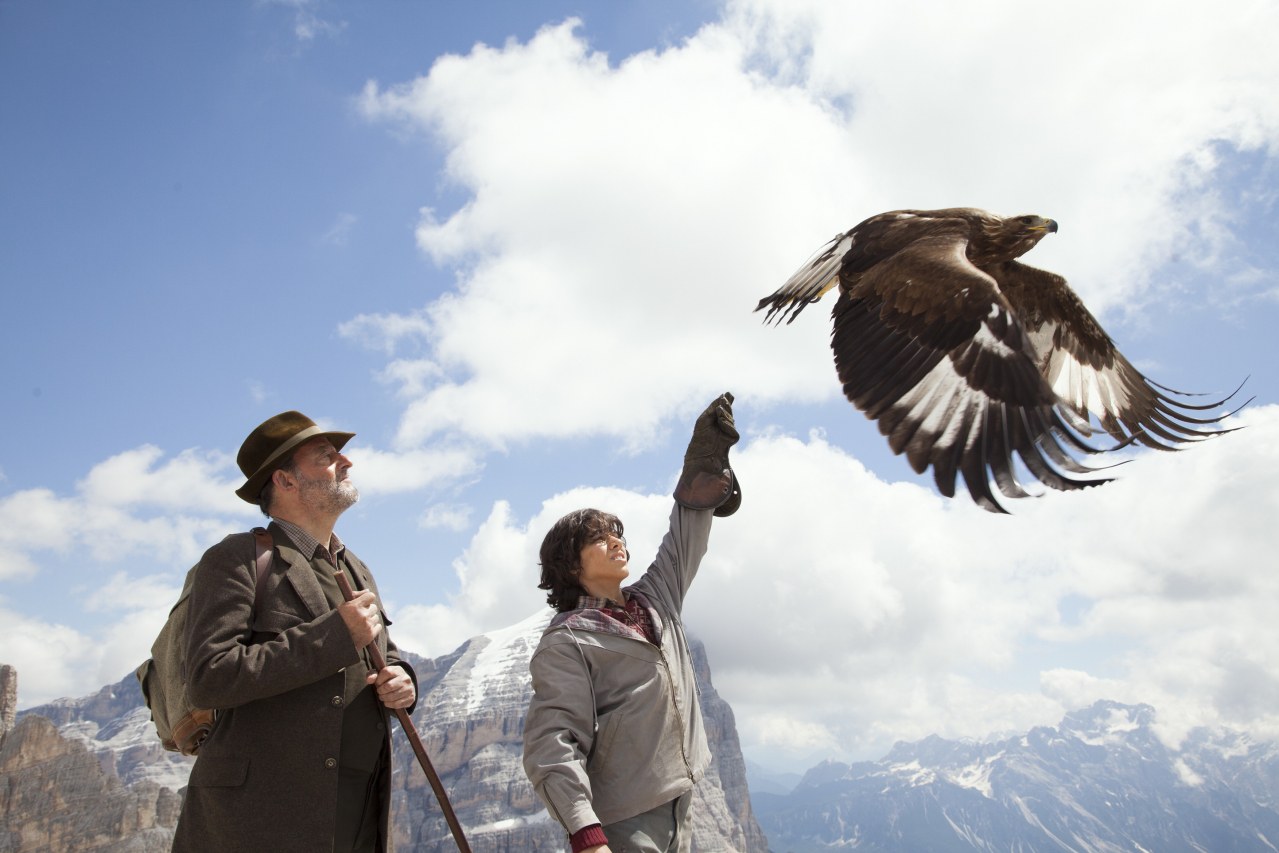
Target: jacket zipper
point(670, 682)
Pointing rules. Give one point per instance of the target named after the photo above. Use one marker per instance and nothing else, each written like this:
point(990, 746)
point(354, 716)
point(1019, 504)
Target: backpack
point(181, 727)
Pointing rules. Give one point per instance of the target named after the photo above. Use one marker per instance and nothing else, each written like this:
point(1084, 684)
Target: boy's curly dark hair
point(561, 554)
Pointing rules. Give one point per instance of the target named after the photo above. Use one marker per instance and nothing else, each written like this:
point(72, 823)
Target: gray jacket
point(614, 727)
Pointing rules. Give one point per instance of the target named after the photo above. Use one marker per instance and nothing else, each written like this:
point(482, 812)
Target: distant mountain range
point(1099, 781)
point(765, 780)
point(89, 773)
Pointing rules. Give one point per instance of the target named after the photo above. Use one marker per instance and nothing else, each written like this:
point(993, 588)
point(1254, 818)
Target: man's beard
point(328, 495)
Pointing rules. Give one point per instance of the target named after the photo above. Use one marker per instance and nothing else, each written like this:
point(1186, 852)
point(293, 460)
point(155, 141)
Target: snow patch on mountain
point(977, 775)
point(129, 745)
point(912, 774)
point(501, 661)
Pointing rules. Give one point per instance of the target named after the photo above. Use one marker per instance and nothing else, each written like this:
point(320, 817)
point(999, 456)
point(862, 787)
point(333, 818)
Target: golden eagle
point(965, 357)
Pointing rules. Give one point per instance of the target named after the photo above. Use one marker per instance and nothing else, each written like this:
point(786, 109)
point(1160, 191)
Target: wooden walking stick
point(414, 740)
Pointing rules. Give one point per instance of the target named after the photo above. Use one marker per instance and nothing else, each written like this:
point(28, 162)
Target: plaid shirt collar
point(591, 602)
point(309, 545)
point(633, 614)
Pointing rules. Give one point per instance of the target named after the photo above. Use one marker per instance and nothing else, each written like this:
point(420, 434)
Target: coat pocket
point(601, 747)
point(211, 771)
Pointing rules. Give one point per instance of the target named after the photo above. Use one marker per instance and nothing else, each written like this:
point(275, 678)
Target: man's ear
point(283, 479)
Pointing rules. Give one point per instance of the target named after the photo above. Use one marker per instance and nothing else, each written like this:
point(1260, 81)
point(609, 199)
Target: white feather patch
point(937, 401)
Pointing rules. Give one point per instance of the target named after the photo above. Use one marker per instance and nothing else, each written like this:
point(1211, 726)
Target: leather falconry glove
point(708, 481)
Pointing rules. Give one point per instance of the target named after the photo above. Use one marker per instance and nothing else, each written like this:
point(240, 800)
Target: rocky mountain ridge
point(1099, 781)
point(87, 774)
point(55, 795)
point(470, 717)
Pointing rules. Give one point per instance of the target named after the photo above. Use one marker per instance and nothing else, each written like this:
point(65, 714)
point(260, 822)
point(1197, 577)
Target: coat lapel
point(299, 574)
point(302, 576)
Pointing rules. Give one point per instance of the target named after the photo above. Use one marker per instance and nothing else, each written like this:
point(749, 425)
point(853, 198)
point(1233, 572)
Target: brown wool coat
point(266, 779)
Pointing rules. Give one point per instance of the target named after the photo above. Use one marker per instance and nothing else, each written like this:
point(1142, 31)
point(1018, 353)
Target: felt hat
point(270, 445)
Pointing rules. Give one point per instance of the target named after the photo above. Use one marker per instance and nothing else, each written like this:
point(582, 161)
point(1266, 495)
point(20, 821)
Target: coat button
point(330, 763)
point(336, 701)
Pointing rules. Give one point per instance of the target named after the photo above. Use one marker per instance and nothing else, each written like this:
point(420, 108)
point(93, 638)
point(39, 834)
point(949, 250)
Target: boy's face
point(604, 563)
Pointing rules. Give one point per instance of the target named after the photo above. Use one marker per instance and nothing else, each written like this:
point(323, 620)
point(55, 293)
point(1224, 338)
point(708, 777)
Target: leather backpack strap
point(265, 552)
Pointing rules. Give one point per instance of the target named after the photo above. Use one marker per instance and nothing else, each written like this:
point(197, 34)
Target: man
point(300, 758)
point(614, 741)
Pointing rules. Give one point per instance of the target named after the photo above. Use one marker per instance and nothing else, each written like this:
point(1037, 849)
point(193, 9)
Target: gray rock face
point(54, 795)
point(8, 698)
point(116, 727)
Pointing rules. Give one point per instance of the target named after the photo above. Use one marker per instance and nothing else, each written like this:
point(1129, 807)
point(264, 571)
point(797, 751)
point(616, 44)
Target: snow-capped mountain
point(1099, 781)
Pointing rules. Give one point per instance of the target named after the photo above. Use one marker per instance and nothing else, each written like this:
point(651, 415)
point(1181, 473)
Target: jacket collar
point(299, 572)
point(594, 619)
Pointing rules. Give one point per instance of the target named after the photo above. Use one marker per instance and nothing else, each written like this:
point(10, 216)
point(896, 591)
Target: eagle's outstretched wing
point(1090, 375)
point(974, 367)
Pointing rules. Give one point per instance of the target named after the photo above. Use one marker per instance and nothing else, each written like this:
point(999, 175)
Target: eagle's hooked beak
point(1048, 225)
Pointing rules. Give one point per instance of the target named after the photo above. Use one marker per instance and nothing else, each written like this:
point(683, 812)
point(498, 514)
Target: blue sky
point(516, 247)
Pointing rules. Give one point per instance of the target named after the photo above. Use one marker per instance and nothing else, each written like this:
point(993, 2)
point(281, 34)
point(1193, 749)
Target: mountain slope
point(1099, 781)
